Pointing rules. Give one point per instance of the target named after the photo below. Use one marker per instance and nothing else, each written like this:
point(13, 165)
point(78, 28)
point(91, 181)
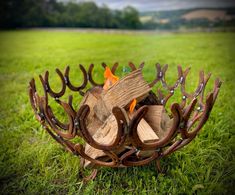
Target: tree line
point(51, 13)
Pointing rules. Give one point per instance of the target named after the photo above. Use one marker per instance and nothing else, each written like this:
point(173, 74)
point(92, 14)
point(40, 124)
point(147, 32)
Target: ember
point(123, 122)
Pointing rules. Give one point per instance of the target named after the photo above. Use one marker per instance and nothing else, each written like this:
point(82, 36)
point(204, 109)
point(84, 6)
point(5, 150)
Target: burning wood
point(122, 93)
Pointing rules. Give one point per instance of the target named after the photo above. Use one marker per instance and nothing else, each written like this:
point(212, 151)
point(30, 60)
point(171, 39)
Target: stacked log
point(102, 123)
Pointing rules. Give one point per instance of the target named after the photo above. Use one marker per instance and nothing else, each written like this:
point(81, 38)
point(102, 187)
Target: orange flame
point(110, 78)
point(132, 106)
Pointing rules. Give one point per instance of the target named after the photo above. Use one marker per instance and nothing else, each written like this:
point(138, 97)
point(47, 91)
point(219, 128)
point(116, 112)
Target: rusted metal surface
point(188, 116)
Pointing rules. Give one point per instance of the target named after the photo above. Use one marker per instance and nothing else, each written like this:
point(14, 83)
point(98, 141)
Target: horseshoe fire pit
point(122, 121)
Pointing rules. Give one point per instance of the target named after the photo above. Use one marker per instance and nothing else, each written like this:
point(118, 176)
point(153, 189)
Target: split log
point(160, 122)
point(122, 93)
point(158, 119)
point(145, 131)
point(107, 133)
point(91, 98)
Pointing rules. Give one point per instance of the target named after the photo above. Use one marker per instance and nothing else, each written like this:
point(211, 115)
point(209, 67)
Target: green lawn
point(31, 162)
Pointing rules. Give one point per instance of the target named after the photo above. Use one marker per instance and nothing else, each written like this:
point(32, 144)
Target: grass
point(32, 163)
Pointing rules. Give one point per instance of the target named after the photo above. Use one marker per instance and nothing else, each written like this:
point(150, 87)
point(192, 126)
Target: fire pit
point(122, 121)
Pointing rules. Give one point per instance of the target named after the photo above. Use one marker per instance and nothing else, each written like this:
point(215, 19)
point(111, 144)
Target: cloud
point(156, 5)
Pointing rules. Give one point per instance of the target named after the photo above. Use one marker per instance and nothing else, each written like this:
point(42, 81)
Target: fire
point(110, 79)
point(132, 106)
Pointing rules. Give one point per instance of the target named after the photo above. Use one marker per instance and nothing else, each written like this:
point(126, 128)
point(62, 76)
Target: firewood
point(101, 103)
point(90, 99)
point(122, 93)
point(106, 134)
point(145, 131)
point(158, 119)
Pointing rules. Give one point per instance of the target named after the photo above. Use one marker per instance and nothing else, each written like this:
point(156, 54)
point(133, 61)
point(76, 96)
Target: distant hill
point(211, 15)
point(200, 17)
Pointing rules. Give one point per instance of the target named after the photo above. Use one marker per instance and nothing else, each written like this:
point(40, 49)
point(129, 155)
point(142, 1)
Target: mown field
point(32, 163)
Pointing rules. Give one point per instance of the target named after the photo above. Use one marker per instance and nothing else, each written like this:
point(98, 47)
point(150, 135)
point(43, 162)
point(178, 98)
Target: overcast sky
point(155, 5)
